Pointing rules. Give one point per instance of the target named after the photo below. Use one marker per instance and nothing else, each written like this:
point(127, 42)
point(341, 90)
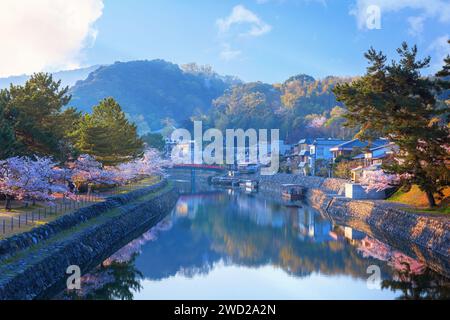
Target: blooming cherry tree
point(34, 179)
point(39, 178)
point(317, 122)
point(149, 164)
point(152, 163)
point(379, 180)
point(87, 170)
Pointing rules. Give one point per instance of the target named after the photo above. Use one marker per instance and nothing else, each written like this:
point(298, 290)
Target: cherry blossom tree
point(150, 164)
point(87, 170)
point(39, 178)
point(45, 179)
point(317, 122)
point(379, 180)
point(33, 179)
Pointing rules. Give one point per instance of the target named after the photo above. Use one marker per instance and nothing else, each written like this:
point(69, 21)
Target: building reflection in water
point(229, 228)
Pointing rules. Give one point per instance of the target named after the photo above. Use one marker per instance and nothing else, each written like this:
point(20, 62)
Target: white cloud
point(427, 9)
point(416, 25)
point(441, 49)
point(228, 54)
point(45, 34)
point(242, 16)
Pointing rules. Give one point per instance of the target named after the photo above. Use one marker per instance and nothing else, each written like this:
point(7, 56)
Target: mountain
point(152, 91)
point(68, 78)
point(290, 106)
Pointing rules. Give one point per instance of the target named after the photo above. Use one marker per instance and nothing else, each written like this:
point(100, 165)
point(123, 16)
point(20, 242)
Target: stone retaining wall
point(24, 240)
point(274, 182)
point(425, 231)
point(86, 249)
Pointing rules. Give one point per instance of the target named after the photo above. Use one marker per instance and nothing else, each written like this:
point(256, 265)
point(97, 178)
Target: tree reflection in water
point(115, 281)
point(426, 286)
point(235, 229)
point(126, 280)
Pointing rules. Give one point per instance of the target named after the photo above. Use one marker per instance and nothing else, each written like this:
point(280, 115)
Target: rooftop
point(329, 141)
point(356, 143)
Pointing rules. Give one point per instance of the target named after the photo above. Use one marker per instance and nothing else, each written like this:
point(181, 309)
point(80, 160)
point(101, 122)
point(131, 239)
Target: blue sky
point(267, 40)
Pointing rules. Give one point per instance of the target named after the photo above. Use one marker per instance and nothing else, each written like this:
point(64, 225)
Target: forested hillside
point(152, 91)
point(301, 106)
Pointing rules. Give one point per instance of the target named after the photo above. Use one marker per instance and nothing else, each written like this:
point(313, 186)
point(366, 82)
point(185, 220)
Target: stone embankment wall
point(24, 240)
point(44, 269)
point(274, 182)
point(426, 231)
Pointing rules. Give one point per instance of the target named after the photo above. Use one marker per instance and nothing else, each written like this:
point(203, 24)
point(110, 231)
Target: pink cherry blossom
point(87, 170)
point(317, 122)
point(150, 164)
point(33, 179)
point(379, 180)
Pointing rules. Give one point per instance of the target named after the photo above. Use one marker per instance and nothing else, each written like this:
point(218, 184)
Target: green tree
point(343, 168)
point(107, 134)
point(445, 72)
point(35, 112)
point(154, 140)
point(395, 101)
point(7, 137)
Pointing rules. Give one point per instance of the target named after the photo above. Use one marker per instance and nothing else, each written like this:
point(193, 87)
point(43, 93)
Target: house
point(348, 147)
point(359, 172)
point(303, 163)
point(372, 159)
point(320, 149)
point(284, 148)
point(376, 155)
point(302, 155)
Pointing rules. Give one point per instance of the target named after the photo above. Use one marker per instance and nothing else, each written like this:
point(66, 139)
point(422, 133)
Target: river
point(228, 244)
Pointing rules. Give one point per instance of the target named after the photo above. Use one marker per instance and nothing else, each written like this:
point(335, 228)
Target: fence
point(24, 221)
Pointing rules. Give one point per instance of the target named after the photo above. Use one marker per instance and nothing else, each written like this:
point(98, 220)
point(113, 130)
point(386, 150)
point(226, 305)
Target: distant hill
point(151, 91)
point(68, 78)
point(289, 106)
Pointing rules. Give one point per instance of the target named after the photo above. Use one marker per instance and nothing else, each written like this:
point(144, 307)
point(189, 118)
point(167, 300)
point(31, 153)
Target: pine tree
point(35, 110)
point(7, 137)
point(395, 101)
point(445, 72)
point(107, 134)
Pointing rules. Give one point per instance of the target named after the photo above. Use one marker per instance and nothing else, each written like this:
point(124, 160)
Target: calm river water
point(225, 244)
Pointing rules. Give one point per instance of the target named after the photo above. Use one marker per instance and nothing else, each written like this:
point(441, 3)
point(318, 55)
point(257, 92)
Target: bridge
point(193, 168)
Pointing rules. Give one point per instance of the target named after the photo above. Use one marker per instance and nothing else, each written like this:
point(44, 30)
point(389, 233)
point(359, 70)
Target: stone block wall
point(428, 232)
point(23, 240)
point(35, 279)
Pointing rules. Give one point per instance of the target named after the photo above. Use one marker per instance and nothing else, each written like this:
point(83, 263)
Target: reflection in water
point(224, 244)
point(426, 285)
